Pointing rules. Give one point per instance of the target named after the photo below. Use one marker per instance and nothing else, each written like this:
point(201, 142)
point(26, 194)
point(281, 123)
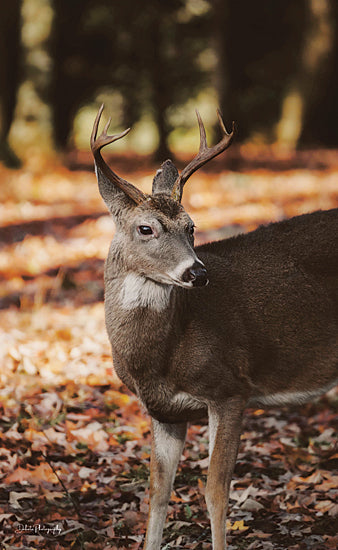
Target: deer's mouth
point(170, 280)
point(190, 274)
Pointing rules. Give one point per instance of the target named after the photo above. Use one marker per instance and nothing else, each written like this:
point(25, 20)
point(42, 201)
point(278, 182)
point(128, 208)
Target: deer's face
point(156, 240)
point(154, 234)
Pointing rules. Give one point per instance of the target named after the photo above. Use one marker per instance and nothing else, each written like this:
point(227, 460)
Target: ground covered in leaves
point(74, 444)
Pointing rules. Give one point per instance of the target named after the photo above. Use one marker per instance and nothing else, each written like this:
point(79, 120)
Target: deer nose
point(196, 274)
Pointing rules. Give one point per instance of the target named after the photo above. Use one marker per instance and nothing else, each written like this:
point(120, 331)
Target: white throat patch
point(137, 291)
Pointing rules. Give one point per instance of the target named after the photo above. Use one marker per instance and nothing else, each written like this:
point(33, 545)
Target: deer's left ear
point(165, 178)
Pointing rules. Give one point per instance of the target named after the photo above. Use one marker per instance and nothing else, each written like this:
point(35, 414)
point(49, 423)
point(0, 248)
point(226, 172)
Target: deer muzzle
point(196, 274)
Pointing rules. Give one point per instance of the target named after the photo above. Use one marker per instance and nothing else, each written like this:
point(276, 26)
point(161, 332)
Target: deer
point(251, 320)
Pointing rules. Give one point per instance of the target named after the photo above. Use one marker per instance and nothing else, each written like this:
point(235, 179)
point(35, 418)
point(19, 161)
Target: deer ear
point(165, 178)
point(116, 200)
point(117, 193)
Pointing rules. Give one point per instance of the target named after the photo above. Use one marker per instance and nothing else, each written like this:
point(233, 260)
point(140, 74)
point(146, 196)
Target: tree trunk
point(32, 130)
point(9, 74)
point(162, 152)
point(321, 115)
point(222, 39)
point(312, 75)
point(157, 81)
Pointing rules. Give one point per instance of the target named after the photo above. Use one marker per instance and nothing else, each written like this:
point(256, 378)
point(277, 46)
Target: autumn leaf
point(237, 526)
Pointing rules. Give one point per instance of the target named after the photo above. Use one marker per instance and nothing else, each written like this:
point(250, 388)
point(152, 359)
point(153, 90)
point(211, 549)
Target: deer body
point(260, 317)
point(263, 331)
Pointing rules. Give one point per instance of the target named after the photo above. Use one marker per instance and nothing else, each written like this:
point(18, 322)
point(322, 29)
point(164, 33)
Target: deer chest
point(176, 407)
point(160, 398)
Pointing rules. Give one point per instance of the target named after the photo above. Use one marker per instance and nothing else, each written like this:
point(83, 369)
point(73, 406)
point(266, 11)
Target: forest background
point(74, 444)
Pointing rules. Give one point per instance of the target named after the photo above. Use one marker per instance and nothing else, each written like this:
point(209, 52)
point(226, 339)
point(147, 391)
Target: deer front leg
point(166, 450)
point(225, 428)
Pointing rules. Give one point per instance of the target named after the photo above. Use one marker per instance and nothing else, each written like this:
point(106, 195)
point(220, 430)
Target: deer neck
point(139, 304)
point(131, 290)
point(145, 321)
point(141, 334)
point(140, 315)
point(138, 291)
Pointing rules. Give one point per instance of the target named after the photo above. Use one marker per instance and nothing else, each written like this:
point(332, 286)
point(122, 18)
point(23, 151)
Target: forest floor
point(74, 443)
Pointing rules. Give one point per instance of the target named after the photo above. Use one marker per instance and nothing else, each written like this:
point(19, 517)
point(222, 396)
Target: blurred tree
point(32, 130)
point(321, 112)
point(83, 49)
point(258, 47)
point(175, 36)
point(276, 66)
point(151, 58)
point(277, 69)
point(9, 74)
point(307, 91)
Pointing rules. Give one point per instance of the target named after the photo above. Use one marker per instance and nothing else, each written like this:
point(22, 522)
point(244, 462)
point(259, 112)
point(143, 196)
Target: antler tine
point(105, 129)
point(95, 127)
point(204, 154)
point(203, 136)
point(97, 143)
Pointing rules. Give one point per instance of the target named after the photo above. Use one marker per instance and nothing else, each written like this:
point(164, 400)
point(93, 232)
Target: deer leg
point(166, 450)
point(225, 429)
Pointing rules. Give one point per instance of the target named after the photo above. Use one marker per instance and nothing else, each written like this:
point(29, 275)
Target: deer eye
point(145, 230)
point(191, 229)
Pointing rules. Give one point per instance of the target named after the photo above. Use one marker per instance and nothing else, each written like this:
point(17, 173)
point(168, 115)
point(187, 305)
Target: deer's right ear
point(116, 192)
point(116, 200)
point(165, 178)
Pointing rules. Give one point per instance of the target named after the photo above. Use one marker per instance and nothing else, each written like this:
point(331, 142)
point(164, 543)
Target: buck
point(201, 331)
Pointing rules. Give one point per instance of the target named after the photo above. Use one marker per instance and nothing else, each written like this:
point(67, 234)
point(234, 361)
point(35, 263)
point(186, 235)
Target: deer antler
point(96, 144)
point(204, 154)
